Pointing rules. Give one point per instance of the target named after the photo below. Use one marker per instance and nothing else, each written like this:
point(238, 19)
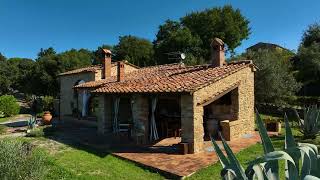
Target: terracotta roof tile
point(93, 68)
point(166, 78)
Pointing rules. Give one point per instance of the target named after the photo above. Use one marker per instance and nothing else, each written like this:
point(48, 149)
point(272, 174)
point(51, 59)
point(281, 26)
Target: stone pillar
point(108, 113)
point(101, 118)
point(192, 123)
point(140, 110)
point(104, 114)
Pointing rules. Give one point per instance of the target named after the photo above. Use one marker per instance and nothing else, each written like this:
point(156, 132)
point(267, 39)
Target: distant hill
point(269, 46)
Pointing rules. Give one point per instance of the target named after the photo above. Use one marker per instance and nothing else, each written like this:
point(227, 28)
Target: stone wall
point(140, 112)
point(67, 93)
point(192, 110)
point(68, 81)
point(104, 113)
point(191, 123)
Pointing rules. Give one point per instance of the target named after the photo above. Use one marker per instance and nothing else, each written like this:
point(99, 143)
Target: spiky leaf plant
point(309, 126)
point(266, 166)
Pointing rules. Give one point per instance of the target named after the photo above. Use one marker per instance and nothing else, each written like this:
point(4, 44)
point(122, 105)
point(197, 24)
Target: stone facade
point(192, 111)
point(140, 112)
point(68, 81)
point(104, 113)
point(67, 92)
point(191, 123)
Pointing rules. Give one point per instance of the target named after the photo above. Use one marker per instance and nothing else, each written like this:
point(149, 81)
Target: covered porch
point(152, 118)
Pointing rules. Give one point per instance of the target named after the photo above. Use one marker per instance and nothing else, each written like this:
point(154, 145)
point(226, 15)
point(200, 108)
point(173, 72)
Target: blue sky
point(28, 25)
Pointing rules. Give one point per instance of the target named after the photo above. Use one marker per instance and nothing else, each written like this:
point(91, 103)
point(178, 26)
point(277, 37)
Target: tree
point(21, 67)
point(225, 23)
point(135, 50)
point(307, 61)
point(44, 76)
point(173, 37)
point(194, 32)
point(311, 35)
point(46, 52)
point(74, 59)
point(2, 58)
point(274, 81)
point(6, 77)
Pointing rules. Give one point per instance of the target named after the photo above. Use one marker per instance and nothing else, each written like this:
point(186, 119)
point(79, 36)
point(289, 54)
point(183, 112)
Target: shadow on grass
point(87, 139)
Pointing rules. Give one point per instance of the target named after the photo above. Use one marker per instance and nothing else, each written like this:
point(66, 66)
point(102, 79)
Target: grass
point(3, 129)
point(78, 164)
point(244, 157)
point(5, 119)
point(72, 163)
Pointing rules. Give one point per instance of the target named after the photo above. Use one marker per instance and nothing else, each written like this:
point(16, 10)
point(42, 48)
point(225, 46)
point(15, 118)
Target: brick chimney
point(106, 63)
point(120, 71)
point(217, 52)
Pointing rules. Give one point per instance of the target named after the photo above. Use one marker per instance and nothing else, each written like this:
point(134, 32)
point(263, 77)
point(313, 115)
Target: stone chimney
point(106, 63)
point(217, 52)
point(120, 71)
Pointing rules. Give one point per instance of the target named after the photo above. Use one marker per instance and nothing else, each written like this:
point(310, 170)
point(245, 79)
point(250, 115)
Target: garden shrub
point(2, 114)
point(20, 161)
point(35, 132)
point(48, 103)
point(9, 105)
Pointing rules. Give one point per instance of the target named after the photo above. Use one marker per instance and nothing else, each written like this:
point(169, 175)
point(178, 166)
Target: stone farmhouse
point(156, 102)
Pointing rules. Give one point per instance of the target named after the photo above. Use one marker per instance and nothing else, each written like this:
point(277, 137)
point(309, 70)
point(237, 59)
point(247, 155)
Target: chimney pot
point(217, 52)
point(106, 64)
point(120, 71)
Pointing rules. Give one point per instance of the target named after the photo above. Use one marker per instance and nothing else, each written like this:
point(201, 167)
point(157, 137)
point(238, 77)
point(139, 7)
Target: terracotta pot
point(46, 118)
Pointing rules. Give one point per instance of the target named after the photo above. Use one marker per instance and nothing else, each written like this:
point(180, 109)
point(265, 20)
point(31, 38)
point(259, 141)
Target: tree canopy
point(173, 37)
point(2, 57)
point(225, 23)
point(193, 33)
point(135, 50)
point(309, 55)
point(274, 81)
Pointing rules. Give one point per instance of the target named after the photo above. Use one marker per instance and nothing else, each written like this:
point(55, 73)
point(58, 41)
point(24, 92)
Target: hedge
point(9, 105)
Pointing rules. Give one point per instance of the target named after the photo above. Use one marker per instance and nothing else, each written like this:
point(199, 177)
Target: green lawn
point(78, 164)
point(244, 156)
point(71, 163)
point(14, 117)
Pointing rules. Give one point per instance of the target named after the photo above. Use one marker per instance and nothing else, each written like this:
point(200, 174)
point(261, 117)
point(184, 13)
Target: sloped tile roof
point(93, 68)
point(82, 70)
point(166, 78)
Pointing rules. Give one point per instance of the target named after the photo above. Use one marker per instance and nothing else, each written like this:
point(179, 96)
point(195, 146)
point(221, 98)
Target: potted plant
point(273, 125)
point(46, 118)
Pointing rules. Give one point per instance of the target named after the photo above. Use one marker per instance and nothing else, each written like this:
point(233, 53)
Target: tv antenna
point(176, 56)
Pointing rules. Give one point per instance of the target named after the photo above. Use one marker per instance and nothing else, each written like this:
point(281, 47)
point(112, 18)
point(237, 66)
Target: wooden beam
point(218, 95)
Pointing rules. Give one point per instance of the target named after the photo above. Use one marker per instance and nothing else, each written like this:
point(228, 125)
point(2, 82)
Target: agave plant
point(309, 126)
point(267, 166)
point(32, 122)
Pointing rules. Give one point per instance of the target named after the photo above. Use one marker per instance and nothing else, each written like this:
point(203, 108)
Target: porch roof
point(166, 78)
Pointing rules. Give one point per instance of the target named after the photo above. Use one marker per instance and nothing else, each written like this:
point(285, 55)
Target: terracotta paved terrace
point(160, 157)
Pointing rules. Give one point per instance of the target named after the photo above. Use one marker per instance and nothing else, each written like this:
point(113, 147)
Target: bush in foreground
point(9, 105)
point(19, 161)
